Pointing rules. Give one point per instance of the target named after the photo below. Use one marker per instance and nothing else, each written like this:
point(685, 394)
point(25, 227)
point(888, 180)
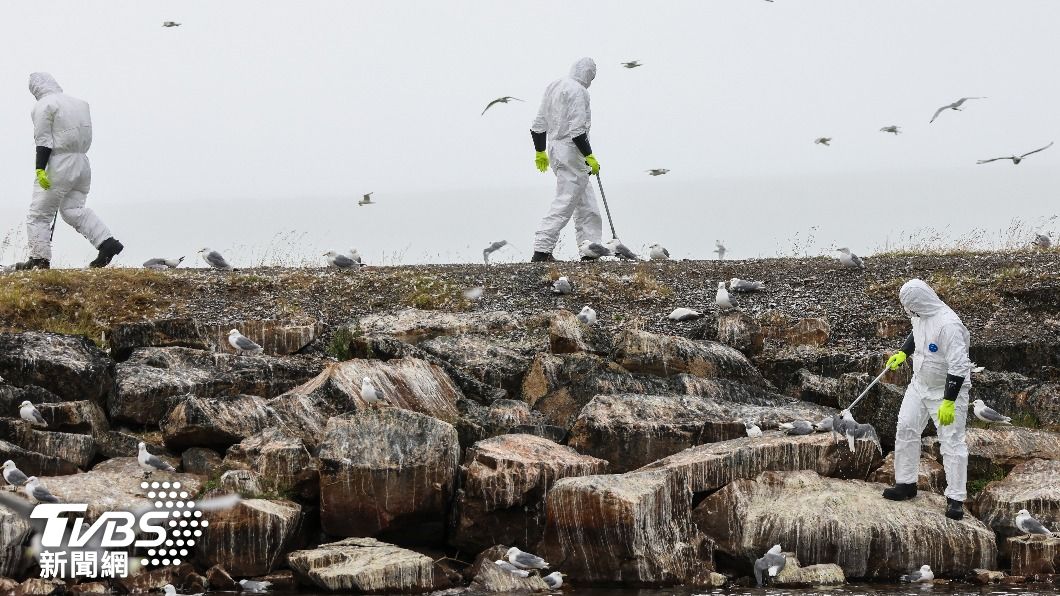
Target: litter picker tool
point(606, 208)
point(866, 391)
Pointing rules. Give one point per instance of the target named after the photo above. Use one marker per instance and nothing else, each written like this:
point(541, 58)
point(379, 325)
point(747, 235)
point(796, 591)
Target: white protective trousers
point(918, 406)
point(575, 198)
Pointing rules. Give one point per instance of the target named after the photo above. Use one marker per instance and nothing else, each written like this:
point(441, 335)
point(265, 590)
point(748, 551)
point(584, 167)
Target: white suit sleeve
point(43, 117)
point(540, 124)
point(578, 114)
point(955, 340)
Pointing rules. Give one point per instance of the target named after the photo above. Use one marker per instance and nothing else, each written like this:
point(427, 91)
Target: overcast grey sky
point(260, 118)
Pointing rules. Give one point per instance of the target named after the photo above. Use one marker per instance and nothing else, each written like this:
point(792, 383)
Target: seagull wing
point(38, 418)
point(215, 259)
point(982, 161)
point(1033, 526)
point(961, 101)
point(666, 252)
point(857, 260)
point(515, 98)
point(157, 463)
point(992, 415)
point(41, 494)
point(15, 477)
point(939, 111)
point(344, 262)
point(490, 104)
point(245, 343)
point(1036, 151)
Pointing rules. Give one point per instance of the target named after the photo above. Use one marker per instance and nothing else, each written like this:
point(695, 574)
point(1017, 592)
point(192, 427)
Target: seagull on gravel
point(752, 429)
point(657, 171)
point(587, 315)
point(38, 493)
point(525, 560)
point(722, 297)
point(1016, 159)
point(253, 586)
point(632, 64)
point(1042, 241)
point(849, 259)
point(684, 314)
point(658, 253)
point(151, 463)
point(720, 249)
point(162, 264)
point(797, 427)
point(769, 565)
point(30, 414)
point(214, 259)
point(953, 106)
point(823, 141)
point(988, 414)
point(593, 250)
point(554, 580)
point(340, 261)
point(504, 99)
point(366, 200)
point(562, 286)
point(354, 255)
point(1028, 525)
point(13, 476)
point(368, 391)
point(893, 129)
point(243, 344)
point(620, 250)
point(505, 565)
point(742, 285)
point(919, 577)
point(492, 248)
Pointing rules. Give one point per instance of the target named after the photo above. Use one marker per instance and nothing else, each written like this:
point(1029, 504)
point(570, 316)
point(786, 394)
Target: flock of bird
point(522, 564)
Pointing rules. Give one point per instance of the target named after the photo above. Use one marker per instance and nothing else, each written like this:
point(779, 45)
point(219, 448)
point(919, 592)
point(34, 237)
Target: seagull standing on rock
point(590, 251)
point(684, 314)
point(955, 106)
point(752, 429)
point(214, 259)
point(505, 565)
point(13, 476)
point(150, 463)
point(587, 315)
point(525, 560)
point(658, 253)
point(38, 493)
point(849, 259)
point(722, 298)
point(988, 414)
point(243, 344)
point(620, 250)
point(1028, 525)
point(742, 285)
point(30, 414)
point(919, 577)
point(554, 580)
point(368, 391)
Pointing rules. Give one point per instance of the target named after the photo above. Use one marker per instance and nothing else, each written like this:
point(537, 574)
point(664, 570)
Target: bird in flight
point(823, 141)
point(632, 64)
point(953, 106)
point(893, 129)
point(1015, 158)
point(657, 171)
point(170, 24)
point(366, 200)
point(504, 99)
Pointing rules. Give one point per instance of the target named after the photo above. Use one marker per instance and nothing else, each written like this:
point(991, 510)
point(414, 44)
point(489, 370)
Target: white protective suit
point(563, 115)
point(62, 123)
point(941, 349)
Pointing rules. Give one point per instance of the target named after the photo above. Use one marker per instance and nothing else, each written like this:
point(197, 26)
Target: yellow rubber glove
point(541, 161)
point(946, 413)
point(42, 179)
point(896, 361)
point(594, 166)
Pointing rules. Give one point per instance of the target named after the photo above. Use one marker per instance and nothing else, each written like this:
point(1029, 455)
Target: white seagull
point(621, 250)
point(504, 99)
point(253, 586)
point(334, 259)
point(797, 427)
point(492, 248)
point(658, 253)
point(742, 285)
point(919, 577)
point(30, 414)
point(554, 580)
point(720, 249)
point(587, 315)
point(13, 476)
point(849, 259)
point(160, 264)
point(752, 429)
point(1028, 525)
point(1016, 159)
point(562, 286)
point(525, 560)
point(151, 463)
point(214, 259)
point(243, 344)
point(593, 250)
point(722, 298)
point(505, 565)
point(368, 391)
point(988, 414)
point(354, 255)
point(366, 200)
point(953, 106)
point(770, 564)
point(684, 314)
point(38, 493)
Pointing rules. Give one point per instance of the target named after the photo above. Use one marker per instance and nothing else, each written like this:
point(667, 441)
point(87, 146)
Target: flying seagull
point(334, 259)
point(953, 106)
point(492, 248)
point(1042, 241)
point(823, 141)
point(1016, 159)
point(657, 171)
point(893, 129)
point(1027, 524)
point(919, 577)
point(162, 264)
point(243, 344)
point(849, 259)
point(214, 259)
point(632, 64)
point(27, 412)
point(150, 463)
point(366, 200)
point(525, 560)
point(593, 250)
point(769, 565)
point(988, 414)
point(621, 250)
point(587, 315)
point(35, 491)
point(505, 565)
point(504, 99)
point(720, 249)
point(14, 476)
point(657, 252)
point(170, 24)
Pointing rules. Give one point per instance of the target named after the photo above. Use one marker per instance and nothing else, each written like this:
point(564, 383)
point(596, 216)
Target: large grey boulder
point(14, 531)
point(70, 366)
point(414, 324)
point(277, 338)
point(288, 465)
point(992, 452)
point(1033, 485)
point(665, 355)
point(215, 422)
point(365, 566)
point(251, 538)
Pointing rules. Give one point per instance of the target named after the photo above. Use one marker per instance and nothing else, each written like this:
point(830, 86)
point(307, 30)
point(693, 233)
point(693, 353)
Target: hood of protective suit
point(42, 83)
point(918, 298)
point(583, 71)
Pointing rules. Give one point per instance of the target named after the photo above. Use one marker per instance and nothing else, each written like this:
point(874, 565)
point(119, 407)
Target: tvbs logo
point(162, 531)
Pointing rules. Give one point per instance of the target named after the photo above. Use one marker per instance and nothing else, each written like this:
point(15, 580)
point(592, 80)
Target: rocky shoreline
point(615, 451)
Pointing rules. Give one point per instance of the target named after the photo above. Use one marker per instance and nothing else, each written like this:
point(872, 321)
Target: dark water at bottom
point(846, 590)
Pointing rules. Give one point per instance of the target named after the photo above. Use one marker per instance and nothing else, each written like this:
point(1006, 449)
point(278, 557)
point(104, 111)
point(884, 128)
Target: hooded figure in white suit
point(62, 132)
point(939, 391)
point(562, 127)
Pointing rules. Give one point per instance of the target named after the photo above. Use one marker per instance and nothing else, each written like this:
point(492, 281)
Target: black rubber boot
point(107, 251)
point(542, 257)
point(33, 263)
point(954, 509)
point(900, 492)
point(588, 259)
